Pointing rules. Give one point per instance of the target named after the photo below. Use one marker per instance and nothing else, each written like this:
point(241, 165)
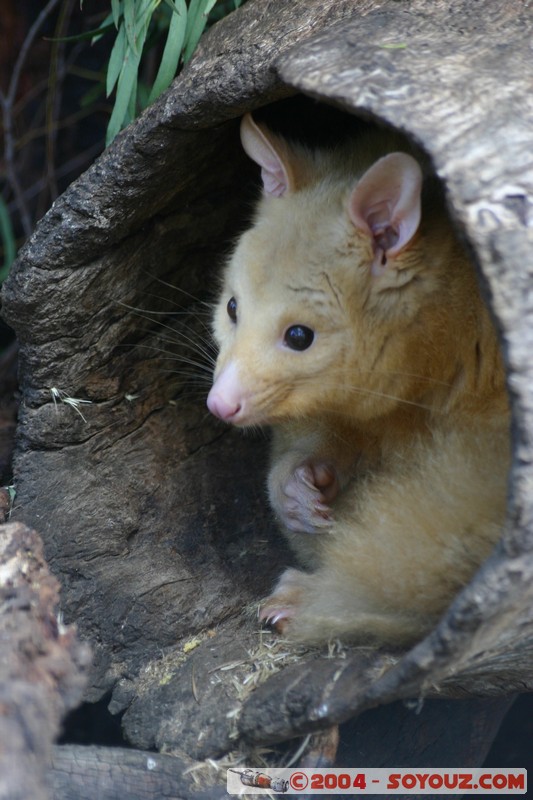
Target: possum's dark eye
point(232, 309)
point(298, 337)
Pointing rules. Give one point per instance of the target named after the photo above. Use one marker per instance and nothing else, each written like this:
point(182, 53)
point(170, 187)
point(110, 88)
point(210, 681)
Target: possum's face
point(317, 290)
point(283, 336)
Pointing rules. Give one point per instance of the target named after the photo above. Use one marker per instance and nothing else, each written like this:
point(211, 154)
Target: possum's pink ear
point(270, 153)
point(385, 204)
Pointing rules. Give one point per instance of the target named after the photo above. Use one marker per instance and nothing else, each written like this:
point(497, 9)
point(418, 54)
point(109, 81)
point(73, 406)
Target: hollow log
point(154, 517)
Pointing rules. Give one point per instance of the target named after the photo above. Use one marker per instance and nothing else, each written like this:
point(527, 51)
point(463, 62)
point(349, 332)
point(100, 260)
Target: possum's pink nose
point(225, 400)
point(221, 407)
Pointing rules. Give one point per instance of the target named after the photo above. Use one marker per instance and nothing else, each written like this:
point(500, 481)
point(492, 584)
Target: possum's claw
point(282, 606)
point(276, 618)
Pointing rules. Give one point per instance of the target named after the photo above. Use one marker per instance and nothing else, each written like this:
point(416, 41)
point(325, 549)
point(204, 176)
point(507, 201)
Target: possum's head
point(317, 290)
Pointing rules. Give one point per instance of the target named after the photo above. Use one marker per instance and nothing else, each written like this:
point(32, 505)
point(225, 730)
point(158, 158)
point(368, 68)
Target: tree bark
point(110, 773)
point(42, 666)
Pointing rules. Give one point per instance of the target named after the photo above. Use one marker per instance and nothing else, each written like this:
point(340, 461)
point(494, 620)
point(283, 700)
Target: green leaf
point(146, 9)
point(116, 60)
point(191, 15)
point(106, 25)
point(194, 17)
point(129, 21)
point(116, 11)
point(8, 240)
point(95, 34)
point(172, 52)
point(201, 11)
point(127, 82)
point(133, 17)
point(125, 100)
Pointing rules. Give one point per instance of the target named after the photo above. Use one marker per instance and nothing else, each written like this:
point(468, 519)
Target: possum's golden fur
point(397, 413)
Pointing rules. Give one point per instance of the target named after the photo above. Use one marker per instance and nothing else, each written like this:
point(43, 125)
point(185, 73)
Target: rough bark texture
point(109, 773)
point(438, 734)
point(154, 517)
point(41, 669)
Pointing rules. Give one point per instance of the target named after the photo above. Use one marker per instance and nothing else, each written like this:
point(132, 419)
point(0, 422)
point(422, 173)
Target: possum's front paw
point(303, 504)
point(280, 608)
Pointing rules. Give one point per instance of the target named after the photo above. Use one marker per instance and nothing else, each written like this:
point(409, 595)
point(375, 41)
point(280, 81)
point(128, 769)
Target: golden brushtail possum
point(350, 321)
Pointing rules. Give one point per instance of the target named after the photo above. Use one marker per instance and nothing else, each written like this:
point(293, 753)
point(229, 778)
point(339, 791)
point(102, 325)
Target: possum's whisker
point(149, 315)
point(148, 312)
point(191, 372)
point(386, 396)
point(389, 373)
point(204, 365)
point(152, 316)
point(201, 348)
point(400, 374)
point(182, 310)
point(364, 391)
point(205, 371)
point(191, 386)
point(179, 289)
point(191, 363)
point(179, 336)
point(192, 344)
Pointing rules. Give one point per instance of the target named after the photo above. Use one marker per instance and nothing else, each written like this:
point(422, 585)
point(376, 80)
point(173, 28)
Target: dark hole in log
point(93, 724)
point(512, 746)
